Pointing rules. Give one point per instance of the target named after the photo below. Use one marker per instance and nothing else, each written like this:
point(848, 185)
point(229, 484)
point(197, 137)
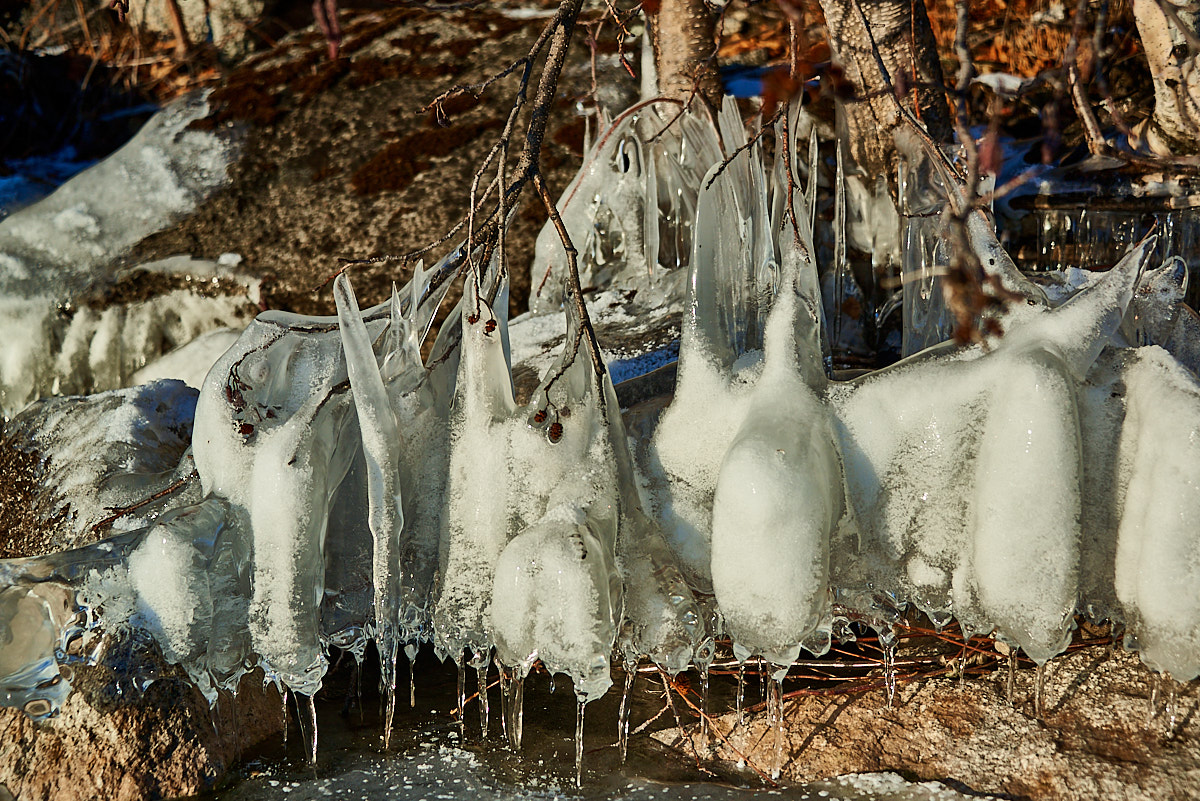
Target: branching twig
point(754, 140)
point(1091, 127)
point(125, 510)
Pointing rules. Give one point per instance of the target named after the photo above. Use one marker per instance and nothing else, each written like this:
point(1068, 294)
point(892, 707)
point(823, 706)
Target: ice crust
point(346, 490)
point(56, 250)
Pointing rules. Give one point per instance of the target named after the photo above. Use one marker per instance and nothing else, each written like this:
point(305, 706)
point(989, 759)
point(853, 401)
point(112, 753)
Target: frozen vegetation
point(348, 491)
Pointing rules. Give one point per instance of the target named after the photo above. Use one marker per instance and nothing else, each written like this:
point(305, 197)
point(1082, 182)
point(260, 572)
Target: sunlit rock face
point(346, 491)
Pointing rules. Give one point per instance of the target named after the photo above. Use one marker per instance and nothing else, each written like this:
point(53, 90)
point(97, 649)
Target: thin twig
point(124, 510)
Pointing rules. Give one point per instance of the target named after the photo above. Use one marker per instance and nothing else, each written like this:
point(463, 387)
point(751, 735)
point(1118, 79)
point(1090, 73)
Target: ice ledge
point(62, 248)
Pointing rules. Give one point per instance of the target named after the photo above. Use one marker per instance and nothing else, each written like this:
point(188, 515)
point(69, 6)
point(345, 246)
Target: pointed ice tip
point(1128, 271)
point(1175, 269)
point(1080, 328)
point(343, 294)
point(420, 280)
point(1143, 249)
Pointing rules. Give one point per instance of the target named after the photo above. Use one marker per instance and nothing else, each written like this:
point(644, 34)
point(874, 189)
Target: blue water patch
point(624, 369)
point(741, 81)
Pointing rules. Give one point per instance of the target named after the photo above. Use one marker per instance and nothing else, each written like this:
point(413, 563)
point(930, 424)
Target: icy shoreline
point(299, 471)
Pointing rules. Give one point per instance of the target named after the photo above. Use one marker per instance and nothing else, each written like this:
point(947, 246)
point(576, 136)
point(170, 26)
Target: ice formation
point(349, 491)
point(58, 250)
point(631, 208)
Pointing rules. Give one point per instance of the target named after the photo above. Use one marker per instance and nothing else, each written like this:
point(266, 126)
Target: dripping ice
point(348, 491)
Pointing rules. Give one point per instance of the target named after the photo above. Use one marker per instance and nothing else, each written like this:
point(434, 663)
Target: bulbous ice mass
point(348, 490)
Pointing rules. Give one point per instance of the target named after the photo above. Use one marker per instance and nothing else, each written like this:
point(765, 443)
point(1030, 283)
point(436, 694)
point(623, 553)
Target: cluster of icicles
point(352, 492)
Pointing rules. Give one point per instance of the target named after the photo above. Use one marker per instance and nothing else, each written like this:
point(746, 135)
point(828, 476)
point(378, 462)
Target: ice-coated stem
point(581, 705)
point(623, 712)
point(381, 447)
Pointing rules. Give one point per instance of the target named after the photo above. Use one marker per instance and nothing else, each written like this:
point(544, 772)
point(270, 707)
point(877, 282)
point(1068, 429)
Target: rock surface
point(161, 744)
point(1094, 739)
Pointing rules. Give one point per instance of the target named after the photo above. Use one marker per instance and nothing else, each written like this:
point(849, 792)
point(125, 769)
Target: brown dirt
point(341, 162)
point(22, 532)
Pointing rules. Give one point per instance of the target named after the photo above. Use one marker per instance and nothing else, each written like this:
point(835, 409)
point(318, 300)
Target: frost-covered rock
point(101, 453)
point(61, 335)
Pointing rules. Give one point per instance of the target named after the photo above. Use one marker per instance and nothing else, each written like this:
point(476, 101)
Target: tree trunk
point(684, 44)
point(901, 32)
point(1175, 126)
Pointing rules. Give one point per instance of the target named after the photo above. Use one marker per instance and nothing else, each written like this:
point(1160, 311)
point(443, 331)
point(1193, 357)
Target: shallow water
point(430, 759)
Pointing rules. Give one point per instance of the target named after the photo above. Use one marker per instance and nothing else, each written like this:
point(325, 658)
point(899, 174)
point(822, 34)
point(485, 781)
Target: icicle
point(839, 249)
point(779, 490)
point(1039, 691)
point(481, 673)
point(237, 726)
point(581, 705)
point(810, 191)
point(623, 712)
point(515, 710)
point(704, 724)
point(214, 717)
point(273, 435)
point(505, 682)
point(889, 672)
point(381, 447)
point(775, 722)
point(556, 593)
point(1172, 705)
point(741, 692)
point(412, 684)
point(312, 716)
point(475, 522)
point(462, 699)
point(650, 230)
point(1152, 707)
point(284, 696)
